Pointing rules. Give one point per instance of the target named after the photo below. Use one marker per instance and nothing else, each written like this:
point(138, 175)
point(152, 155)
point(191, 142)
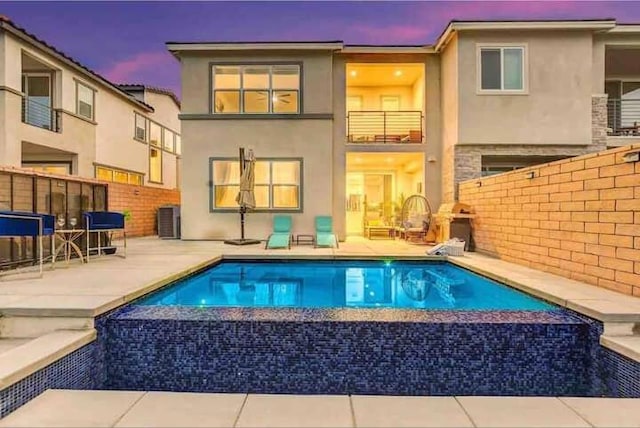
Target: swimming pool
point(343, 284)
point(348, 327)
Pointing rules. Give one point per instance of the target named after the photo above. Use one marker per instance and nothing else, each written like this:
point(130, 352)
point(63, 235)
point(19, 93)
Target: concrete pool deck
point(71, 408)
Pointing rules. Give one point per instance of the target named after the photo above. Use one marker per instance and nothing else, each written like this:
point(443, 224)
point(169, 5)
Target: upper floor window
point(502, 69)
point(85, 100)
point(178, 145)
point(256, 89)
point(155, 134)
point(141, 128)
point(168, 140)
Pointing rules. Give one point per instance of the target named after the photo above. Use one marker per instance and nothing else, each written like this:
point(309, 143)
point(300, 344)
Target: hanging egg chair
point(416, 218)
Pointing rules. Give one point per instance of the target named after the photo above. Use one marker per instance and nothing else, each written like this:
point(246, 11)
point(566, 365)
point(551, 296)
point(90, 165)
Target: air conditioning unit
point(169, 222)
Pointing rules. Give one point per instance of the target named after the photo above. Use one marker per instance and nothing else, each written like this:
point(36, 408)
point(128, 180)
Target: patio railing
point(41, 115)
point(399, 127)
point(623, 117)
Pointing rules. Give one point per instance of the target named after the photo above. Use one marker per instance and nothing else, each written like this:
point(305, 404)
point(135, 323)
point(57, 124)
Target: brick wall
point(142, 202)
point(578, 217)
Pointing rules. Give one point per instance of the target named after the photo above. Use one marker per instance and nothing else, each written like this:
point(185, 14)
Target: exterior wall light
point(531, 174)
point(631, 156)
point(478, 183)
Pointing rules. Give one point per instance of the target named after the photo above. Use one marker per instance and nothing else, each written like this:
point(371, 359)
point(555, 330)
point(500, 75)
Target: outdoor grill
point(453, 220)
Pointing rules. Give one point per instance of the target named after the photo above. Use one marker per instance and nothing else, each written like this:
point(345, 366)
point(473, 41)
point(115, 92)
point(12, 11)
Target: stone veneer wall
point(579, 218)
point(143, 203)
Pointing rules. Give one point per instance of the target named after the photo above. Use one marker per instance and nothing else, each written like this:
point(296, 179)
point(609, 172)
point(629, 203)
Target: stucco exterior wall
point(166, 110)
point(309, 139)
point(114, 136)
point(557, 108)
point(450, 116)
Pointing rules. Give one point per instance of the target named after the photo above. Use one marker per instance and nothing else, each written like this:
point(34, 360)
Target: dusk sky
point(125, 41)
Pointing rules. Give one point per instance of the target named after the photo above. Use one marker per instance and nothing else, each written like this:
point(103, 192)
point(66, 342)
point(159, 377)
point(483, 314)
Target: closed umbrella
point(246, 198)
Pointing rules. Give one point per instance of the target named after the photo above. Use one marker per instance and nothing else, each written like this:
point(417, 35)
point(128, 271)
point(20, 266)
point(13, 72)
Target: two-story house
point(58, 116)
point(347, 131)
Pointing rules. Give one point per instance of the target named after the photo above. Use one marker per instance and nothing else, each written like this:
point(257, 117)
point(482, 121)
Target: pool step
point(628, 345)
point(21, 357)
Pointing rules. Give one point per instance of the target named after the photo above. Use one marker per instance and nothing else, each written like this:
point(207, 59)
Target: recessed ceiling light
point(389, 160)
point(274, 98)
point(398, 73)
point(353, 73)
point(358, 160)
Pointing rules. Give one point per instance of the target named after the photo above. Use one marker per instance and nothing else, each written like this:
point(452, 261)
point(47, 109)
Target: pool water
point(343, 284)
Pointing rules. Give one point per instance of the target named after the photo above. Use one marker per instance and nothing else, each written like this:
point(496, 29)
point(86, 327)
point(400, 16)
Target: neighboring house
point(351, 131)
point(58, 116)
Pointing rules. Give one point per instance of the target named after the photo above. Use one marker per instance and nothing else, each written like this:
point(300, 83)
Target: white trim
point(609, 25)
point(252, 46)
point(535, 25)
point(388, 49)
point(625, 29)
point(525, 69)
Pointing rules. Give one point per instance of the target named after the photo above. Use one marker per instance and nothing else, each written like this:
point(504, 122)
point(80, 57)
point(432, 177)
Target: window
point(118, 176)
point(105, 174)
point(141, 128)
point(85, 100)
point(502, 69)
point(155, 134)
point(178, 145)
point(277, 184)
point(61, 168)
point(167, 143)
point(256, 89)
point(155, 165)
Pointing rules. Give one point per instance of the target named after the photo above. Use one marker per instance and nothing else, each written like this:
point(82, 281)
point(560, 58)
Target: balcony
point(384, 127)
point(623, 117)
point(40, 114)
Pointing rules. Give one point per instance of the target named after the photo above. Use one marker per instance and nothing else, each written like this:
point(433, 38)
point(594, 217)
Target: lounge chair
point(324, 232)
point(281, 236)
point(18, 223)
point(107, 222)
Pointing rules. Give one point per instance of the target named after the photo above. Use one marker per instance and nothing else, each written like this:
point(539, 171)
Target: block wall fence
point(143, 203)
point(577, 217)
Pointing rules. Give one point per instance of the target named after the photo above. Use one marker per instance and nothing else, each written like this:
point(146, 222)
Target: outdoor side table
point(68, 238)
point(303, 239)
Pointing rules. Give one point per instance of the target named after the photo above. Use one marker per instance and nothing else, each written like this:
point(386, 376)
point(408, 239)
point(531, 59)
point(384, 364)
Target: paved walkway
point(62, 408)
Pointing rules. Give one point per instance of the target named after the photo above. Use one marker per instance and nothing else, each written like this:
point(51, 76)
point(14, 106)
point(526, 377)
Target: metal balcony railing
point(399, 127)
point(623, 117)
point(41, 115)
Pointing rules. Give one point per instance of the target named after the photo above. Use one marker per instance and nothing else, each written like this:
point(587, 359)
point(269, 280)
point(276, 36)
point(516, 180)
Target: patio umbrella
point(246, 198)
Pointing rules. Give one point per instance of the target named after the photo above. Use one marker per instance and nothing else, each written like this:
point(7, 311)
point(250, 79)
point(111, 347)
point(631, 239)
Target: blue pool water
point(343, 284)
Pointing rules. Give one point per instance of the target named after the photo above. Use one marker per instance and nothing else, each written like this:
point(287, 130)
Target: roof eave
point(176, 47)
point(355, 49)
point(7, 26)
point(453, 26)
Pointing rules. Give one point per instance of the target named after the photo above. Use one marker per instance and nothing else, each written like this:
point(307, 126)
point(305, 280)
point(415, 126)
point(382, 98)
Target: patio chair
point(324, 232)
point(18, 223)
point(100, 222)
point(281, 236)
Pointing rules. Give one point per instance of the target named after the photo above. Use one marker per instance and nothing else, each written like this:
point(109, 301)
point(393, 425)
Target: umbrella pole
point(242, 240)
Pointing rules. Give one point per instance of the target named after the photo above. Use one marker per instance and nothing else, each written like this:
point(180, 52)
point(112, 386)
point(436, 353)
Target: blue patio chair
point(18, 223)
point(100, 222)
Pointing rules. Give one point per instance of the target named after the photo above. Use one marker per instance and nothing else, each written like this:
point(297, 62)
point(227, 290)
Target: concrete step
point(628, 345)
point(21, 357)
